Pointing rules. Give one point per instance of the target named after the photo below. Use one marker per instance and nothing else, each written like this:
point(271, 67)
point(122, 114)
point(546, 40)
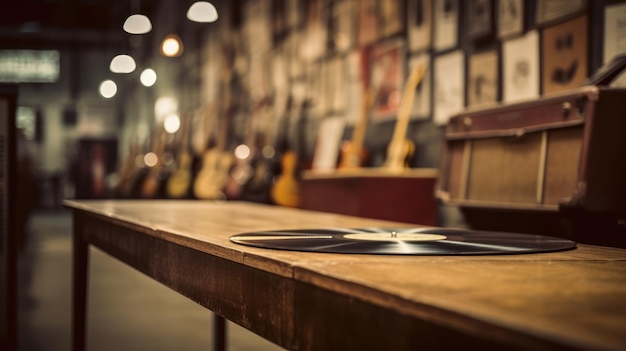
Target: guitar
point(286, 189)
point(179, 181)
point(353, 154)
point(158, 171)
point(267, 161)
point(128, 169)
point(400, 148)
point(246, 154)
point(216, 164)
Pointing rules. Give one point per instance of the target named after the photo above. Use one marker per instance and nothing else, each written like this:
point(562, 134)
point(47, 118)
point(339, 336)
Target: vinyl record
point(403, 241)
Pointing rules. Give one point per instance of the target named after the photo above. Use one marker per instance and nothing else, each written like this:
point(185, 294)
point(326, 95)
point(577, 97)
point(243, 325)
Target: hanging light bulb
point(172, 46)
point(202, 11)
point(148, 77)
point(122, 64)
point(137, 24)
point(108, 89)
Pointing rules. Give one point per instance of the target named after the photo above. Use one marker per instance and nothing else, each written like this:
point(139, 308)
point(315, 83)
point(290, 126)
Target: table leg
point(80, 269)
point(219, 333)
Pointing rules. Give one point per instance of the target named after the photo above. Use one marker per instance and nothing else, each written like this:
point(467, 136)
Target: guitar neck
point(397, 150)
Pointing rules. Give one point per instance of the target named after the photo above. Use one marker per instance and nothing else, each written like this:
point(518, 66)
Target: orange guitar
point(353, 154)
point(286, 189)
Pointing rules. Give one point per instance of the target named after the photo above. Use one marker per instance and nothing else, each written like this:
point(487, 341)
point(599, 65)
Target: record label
point(403, 241)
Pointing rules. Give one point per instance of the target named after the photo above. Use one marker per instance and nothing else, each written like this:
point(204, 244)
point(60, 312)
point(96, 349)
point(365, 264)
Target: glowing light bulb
point(137, 24)
point(108, 89)
point(203, 12)
point(148, 77)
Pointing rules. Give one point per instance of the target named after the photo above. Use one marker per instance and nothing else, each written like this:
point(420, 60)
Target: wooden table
point(313, 301)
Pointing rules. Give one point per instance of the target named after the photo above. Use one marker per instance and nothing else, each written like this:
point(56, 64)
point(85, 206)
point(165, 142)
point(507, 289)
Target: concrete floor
point(127, 310)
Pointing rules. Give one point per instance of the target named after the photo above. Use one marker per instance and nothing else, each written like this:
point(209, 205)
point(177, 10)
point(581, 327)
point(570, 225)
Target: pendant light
point(202, 11)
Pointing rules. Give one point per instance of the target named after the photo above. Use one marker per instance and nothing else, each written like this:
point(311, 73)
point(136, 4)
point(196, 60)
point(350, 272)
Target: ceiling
point(45, 24)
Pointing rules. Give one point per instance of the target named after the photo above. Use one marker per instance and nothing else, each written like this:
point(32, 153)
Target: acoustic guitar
point(158, 172)
point(179, 181)
point(215, 164)
point(286, 189)
point(247, 154)
point(400, 148)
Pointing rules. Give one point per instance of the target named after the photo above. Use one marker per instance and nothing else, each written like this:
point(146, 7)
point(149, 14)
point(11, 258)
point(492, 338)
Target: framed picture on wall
point(449, 86)
point(391, 16)
point(446, 13)
point(367, 22)
point(419, 24)
point(387, 77)
point(520, 67)
point(422, 101)
point(614, 38)
point(342, 25)
point(510, 18)
point(482, 84)
point(564, 55)
point(553, 10)
point(479, 16)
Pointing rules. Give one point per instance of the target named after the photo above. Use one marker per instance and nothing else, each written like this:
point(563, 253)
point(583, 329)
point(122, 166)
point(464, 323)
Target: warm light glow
point(164, 106)
point(108, 89)
point(150, 159)
point(137, 24)
point(122, 64)
point(171, 123)
point(242, 152)
point(172, 46)
point(202, 11)
point(148, 77)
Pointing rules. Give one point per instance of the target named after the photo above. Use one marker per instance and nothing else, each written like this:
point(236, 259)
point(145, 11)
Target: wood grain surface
point(307, 301)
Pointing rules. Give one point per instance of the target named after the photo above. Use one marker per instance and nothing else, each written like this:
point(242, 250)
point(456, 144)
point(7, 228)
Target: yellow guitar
point(179, 182)
point(400, 148)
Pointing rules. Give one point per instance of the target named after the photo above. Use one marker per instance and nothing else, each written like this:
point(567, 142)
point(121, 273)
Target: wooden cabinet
point(374, 193)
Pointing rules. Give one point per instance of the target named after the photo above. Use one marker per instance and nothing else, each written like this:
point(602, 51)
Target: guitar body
point(240, 173)
point(399, 158)
point(211, 179)
point(154, 182)
point(285, 191)
point(179, 182)
point(351, 156)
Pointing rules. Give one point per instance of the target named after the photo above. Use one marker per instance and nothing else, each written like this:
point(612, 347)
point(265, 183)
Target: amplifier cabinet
point(561, 150)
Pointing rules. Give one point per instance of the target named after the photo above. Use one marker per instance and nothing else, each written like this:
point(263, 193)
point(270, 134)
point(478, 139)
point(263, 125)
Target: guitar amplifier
point(536, 166)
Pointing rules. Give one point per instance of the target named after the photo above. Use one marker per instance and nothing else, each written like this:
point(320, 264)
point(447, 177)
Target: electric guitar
point(401, 148)
point(353, 154)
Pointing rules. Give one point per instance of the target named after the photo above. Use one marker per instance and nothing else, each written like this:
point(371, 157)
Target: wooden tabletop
point(570, 299)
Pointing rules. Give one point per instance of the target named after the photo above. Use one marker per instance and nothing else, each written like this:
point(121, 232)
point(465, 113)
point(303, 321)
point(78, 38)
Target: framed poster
point(446, 13)
point(391, 17)
point(387, 77)
point(520, 67)
point(482, 85)
point(554, 10)
point(419, 24)
point(479, 18)
point(422, 100)
point(449, 87)
point(614, 31)
point(510, 18)
point(367, 20)
point(564, 55)
point(342, 24)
